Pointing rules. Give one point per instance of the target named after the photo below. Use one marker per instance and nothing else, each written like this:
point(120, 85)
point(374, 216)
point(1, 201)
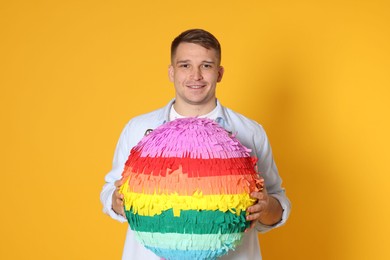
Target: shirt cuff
point(286, 206)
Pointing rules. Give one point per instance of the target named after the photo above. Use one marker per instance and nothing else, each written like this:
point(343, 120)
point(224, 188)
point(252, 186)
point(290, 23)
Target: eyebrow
point(188, 61)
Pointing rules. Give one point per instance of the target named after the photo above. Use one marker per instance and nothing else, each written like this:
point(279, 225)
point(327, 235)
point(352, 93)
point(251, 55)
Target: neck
point(191, 110)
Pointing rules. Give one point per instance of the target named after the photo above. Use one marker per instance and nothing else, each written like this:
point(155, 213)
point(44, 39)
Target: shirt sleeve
point(121, 154)
point(268, 170)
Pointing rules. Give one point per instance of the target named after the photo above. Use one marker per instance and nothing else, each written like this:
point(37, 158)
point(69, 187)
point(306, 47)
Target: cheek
point(180, 77)
point(212, 78)
point(176, 76)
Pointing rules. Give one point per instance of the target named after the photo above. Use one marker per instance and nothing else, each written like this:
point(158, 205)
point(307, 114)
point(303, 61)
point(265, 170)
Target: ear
point(171, 73)
point(221, 70)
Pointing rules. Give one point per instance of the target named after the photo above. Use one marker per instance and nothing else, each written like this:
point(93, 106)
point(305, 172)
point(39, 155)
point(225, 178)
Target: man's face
point(195, 72)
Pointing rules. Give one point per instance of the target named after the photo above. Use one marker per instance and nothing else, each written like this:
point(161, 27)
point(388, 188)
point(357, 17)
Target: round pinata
point(186, 190)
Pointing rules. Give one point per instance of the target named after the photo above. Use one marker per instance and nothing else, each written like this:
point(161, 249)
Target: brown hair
point(197, 36)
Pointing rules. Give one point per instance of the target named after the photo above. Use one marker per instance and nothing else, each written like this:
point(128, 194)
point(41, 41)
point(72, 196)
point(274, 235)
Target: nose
point(197, 74)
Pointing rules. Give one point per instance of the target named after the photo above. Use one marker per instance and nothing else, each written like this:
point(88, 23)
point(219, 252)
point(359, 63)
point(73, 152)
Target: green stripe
point(190, 221)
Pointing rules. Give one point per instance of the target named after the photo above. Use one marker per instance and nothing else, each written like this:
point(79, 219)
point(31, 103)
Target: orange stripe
point(178, 182)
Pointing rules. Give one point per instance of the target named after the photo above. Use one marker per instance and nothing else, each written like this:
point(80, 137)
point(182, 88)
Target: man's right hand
point(117, 199)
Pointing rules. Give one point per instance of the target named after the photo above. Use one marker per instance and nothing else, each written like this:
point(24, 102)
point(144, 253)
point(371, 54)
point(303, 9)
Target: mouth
point(195, 86)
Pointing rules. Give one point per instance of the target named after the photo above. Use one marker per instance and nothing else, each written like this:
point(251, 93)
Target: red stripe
point(160, 166)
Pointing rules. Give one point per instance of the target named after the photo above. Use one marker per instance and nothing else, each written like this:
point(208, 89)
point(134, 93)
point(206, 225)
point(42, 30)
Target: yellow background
point(315, 74)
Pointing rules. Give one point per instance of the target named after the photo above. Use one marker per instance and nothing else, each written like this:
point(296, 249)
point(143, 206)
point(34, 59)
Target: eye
point(207, 66)
point(184, 65)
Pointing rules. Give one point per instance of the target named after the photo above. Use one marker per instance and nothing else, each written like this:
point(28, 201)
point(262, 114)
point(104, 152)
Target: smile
point(195, 86)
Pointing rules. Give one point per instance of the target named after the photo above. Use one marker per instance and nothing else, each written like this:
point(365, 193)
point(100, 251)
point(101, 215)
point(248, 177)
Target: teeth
point(195, 86)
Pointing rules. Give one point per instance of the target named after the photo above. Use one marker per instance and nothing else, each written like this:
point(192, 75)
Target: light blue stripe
point(188, 254)
point(178, 241)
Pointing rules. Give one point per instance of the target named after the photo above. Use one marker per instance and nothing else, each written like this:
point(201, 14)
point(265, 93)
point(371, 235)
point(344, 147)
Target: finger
point(255, 207)
point(259, 206)
point(257, 195)
point(122, 208)
point(119, 199)
point(118, 183)
point(118, 195)
point(117, 206)
point(253, 216)
point(251, 209)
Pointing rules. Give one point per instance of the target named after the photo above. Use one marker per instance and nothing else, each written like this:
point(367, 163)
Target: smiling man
point(195, 71)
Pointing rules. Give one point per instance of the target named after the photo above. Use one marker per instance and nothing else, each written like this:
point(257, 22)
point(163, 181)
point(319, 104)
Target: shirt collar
point(222, 118)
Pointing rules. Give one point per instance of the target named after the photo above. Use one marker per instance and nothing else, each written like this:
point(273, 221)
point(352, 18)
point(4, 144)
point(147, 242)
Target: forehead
point(192, 51)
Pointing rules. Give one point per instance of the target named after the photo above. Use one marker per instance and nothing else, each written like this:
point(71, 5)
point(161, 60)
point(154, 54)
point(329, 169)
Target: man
point(195, 71)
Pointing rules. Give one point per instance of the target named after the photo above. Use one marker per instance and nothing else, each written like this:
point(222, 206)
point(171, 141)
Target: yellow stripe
point(153, 204)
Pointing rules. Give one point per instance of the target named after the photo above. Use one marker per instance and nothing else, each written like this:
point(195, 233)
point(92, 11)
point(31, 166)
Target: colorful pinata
point(186, 190)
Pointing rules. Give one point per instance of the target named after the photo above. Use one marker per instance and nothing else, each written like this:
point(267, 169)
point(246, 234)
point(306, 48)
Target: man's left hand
point(267, 209)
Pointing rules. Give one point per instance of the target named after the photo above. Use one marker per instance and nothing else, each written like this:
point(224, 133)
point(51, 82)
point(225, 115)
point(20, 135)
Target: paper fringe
point(189, 168)
point(178, 182)
point(193, 137)
point(189, 241)
point(190, 222)
point(162, 166)
point(153, 204)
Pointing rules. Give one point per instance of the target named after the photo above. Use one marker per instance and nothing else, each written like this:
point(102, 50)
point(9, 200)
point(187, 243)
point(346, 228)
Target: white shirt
point(174, 115)
point(247, 131)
